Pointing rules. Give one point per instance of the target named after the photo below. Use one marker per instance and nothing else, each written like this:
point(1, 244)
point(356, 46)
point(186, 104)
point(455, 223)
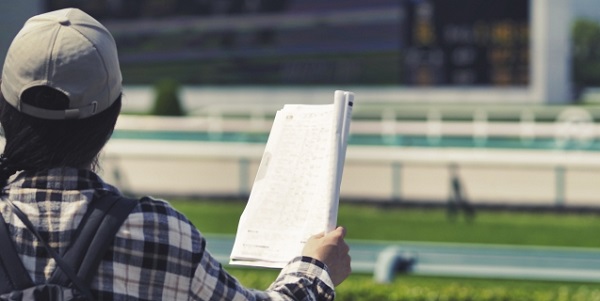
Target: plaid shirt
point(156, 255)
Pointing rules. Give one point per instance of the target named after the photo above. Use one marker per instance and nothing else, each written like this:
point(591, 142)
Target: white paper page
point(296, 188)
point(345, 101)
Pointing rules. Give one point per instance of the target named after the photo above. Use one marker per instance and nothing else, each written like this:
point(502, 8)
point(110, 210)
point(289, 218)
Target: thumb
point(341, 230)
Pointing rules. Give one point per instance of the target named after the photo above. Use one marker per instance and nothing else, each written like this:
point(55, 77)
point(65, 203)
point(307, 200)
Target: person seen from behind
point(61, 95)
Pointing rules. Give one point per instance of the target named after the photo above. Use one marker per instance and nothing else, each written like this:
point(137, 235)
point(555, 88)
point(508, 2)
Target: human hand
point(332, 250)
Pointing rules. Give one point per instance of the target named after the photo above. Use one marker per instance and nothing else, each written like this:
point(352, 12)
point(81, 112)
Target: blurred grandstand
point(507, 51)
point(278, 42)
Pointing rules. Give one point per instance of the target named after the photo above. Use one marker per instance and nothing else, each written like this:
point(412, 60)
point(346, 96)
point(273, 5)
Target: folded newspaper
point(296, 190)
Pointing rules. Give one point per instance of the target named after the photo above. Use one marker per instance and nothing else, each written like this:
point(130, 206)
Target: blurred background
point(497, 98)
point(465, 105)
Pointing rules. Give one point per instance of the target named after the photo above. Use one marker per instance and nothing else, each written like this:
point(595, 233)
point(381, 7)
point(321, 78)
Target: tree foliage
point(586, 53)
point(167, 101)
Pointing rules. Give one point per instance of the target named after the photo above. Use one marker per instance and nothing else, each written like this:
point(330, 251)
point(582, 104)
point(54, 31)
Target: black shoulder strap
point(95, 236)
point(83, 287)
point(13, 275)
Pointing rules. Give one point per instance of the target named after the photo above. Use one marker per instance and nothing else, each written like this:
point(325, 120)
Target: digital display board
point(439, 43)
point(467, 42)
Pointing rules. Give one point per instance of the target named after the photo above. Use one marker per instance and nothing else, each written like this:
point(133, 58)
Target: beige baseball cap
point(69, 51)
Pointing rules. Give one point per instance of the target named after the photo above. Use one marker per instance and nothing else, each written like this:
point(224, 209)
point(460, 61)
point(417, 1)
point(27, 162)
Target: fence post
point(244, 183)
point(396, 181)
point(559, 171)
point(390, 261)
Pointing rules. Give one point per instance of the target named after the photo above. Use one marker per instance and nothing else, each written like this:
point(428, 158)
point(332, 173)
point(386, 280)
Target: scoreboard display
point(467, 42)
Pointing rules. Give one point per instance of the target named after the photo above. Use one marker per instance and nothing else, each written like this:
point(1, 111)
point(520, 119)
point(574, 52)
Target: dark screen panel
point(467, 42)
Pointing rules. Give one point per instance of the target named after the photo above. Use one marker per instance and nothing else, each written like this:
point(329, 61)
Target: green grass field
point(393, 224)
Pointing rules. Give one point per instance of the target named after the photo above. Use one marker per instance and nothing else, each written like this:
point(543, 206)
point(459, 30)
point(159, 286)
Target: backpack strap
point(84, 288)
point(13, 275)
point(79, 264)
point(94, 236)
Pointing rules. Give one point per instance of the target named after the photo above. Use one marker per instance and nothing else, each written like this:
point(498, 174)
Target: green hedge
point(371, 292)
point(360, 287)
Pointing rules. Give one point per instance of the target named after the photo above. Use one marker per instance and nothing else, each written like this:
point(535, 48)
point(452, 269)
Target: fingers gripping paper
point(296, 190)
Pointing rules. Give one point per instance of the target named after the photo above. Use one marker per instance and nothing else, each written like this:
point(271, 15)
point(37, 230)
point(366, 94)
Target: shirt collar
point(65, 178)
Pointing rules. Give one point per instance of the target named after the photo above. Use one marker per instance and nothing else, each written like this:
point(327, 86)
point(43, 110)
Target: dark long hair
point(35, 144)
